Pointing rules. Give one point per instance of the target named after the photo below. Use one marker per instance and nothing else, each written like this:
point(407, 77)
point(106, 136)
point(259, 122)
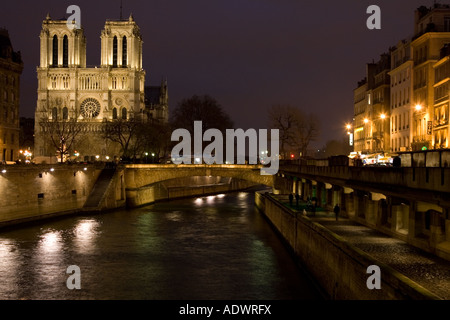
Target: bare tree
point(62, 134)
point(124, 132)
point(153, 138)
point(297, 129)
point(201, 108)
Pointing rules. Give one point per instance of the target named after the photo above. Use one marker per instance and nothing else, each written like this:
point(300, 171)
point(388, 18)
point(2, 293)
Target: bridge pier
point(411, 211)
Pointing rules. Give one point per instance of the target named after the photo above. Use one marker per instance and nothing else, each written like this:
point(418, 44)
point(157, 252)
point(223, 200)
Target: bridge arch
point(143, 182)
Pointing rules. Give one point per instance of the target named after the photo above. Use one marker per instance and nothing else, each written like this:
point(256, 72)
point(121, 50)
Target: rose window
point(90, 108)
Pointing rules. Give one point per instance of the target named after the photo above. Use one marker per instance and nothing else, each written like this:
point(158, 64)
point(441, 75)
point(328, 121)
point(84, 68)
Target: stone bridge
point(409, 203)
point(143, 181)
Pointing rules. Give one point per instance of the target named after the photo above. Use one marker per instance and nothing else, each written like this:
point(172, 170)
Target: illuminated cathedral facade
point(71, 92)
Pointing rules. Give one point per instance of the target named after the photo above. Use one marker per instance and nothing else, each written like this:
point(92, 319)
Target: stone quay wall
point(339, 268)
point(35, 191)
point(32, 192)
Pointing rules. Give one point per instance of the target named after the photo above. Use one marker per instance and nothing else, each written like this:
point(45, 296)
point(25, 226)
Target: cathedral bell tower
point(70, 93)
point(60, 46)
point(121, 43)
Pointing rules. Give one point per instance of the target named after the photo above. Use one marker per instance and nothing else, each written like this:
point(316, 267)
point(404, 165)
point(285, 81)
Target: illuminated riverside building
point(11, 67)
point(401, 93)
point(371, 109)
point(69, 90)
point(416, 116)
point(441, 100)
point(432, 32)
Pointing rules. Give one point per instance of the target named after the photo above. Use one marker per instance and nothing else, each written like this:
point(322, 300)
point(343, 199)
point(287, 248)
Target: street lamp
point(349, 127)
point(146, 154)
point(418, 107)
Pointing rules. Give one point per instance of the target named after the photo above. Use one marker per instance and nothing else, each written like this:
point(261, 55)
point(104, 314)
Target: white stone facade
point(69, 90)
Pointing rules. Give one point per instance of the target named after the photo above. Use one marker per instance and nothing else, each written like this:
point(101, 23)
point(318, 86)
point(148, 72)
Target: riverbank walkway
point(427, 270)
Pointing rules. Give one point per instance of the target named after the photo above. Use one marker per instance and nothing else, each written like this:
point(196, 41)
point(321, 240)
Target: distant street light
point(349, 127)
point(418, 107)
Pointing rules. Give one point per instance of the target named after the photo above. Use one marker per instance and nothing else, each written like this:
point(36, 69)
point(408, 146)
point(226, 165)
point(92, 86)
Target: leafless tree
point(201, 108)
point(62, 134)
point(296, 129)
point(124, 132)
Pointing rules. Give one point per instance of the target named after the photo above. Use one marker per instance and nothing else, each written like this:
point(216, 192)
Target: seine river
point(209, 248)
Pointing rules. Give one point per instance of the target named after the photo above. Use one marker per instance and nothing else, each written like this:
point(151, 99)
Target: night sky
point(247, 54)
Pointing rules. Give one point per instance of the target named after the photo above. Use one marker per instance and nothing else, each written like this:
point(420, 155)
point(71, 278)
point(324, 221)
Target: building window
point(115, 113)
point(124, 52)
point(55, 51)
point(66, 82)
point(65, 113)
point(124, 114)
point(115, 51)
point(65, 52)
point(55, 114)
point(446, 24)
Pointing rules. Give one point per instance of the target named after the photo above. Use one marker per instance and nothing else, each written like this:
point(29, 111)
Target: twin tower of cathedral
point(115, 90)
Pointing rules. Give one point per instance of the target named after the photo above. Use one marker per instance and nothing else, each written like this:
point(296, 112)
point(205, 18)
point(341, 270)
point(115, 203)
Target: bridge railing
point(426, 178)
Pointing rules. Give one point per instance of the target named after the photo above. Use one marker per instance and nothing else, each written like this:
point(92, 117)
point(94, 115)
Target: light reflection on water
point(213, 247)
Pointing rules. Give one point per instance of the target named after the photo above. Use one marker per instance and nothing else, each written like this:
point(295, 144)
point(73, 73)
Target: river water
point(209, 248)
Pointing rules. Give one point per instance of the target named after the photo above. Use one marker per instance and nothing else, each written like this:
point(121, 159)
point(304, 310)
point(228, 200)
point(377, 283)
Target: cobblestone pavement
point(429, 271)
point(426, 269)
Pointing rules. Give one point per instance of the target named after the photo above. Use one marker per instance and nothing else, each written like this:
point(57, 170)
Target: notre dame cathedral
point(90, 97)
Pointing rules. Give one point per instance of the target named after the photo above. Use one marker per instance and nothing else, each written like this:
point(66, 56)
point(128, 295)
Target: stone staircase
point(93, 203)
